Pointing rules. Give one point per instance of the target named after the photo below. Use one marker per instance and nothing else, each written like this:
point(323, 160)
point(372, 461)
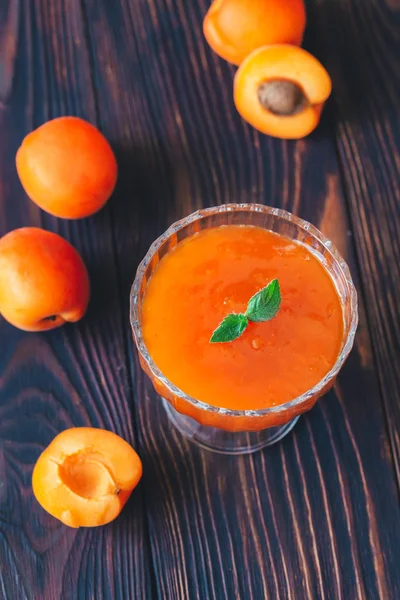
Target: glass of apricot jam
point(237, 397)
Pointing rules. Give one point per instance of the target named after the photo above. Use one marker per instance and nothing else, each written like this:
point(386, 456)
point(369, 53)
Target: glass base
point(226, 442)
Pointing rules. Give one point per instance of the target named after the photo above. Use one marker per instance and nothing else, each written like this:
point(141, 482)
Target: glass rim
point(198, 215)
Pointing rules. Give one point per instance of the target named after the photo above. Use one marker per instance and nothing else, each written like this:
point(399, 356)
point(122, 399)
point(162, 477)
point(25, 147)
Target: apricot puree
point(215, 272)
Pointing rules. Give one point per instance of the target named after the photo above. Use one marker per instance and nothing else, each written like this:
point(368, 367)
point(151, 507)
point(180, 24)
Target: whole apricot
point(67, 167)
point(85, 476)
point(43, 280)
point(234, 28)
point(281, 91)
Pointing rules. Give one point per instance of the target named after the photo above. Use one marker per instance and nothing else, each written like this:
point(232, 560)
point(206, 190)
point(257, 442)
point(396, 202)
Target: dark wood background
point(314, 517)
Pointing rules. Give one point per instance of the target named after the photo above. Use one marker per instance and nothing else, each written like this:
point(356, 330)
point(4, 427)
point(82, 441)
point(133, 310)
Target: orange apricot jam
point(215, 272)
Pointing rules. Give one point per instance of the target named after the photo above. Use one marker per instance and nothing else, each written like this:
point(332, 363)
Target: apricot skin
point(234, 28)
point(67, 167)
point(85, 476)
point(43, 280)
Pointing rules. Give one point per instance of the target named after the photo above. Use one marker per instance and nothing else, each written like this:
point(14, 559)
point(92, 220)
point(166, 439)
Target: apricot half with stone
point(281, 90)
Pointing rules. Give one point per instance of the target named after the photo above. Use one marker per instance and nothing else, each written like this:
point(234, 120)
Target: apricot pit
point(281, 97)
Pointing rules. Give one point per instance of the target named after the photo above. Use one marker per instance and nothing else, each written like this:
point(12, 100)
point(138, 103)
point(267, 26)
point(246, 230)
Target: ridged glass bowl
point(242, 431)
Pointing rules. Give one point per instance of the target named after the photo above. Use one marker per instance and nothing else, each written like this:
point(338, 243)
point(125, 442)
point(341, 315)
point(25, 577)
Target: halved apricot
point(85, 476)
point(281, 90)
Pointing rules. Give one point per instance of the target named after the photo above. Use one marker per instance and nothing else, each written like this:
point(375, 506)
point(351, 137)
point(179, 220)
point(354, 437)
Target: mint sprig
point(263, 306)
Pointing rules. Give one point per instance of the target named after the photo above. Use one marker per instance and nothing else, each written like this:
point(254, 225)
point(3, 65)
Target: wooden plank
point(363, 61)
point(73, 376)
point(316, 516)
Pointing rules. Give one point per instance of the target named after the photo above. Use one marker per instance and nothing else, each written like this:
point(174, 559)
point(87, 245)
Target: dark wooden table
point(314, 517)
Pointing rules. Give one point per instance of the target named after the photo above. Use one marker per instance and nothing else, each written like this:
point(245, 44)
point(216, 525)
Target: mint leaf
point(230, 328)
point(264, 305)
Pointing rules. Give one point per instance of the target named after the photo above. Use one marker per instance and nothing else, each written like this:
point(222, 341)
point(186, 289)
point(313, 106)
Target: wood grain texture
point(9, 18)
point(70, 377)
point(315, 517)
point(368, 138)
point(318, 515)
